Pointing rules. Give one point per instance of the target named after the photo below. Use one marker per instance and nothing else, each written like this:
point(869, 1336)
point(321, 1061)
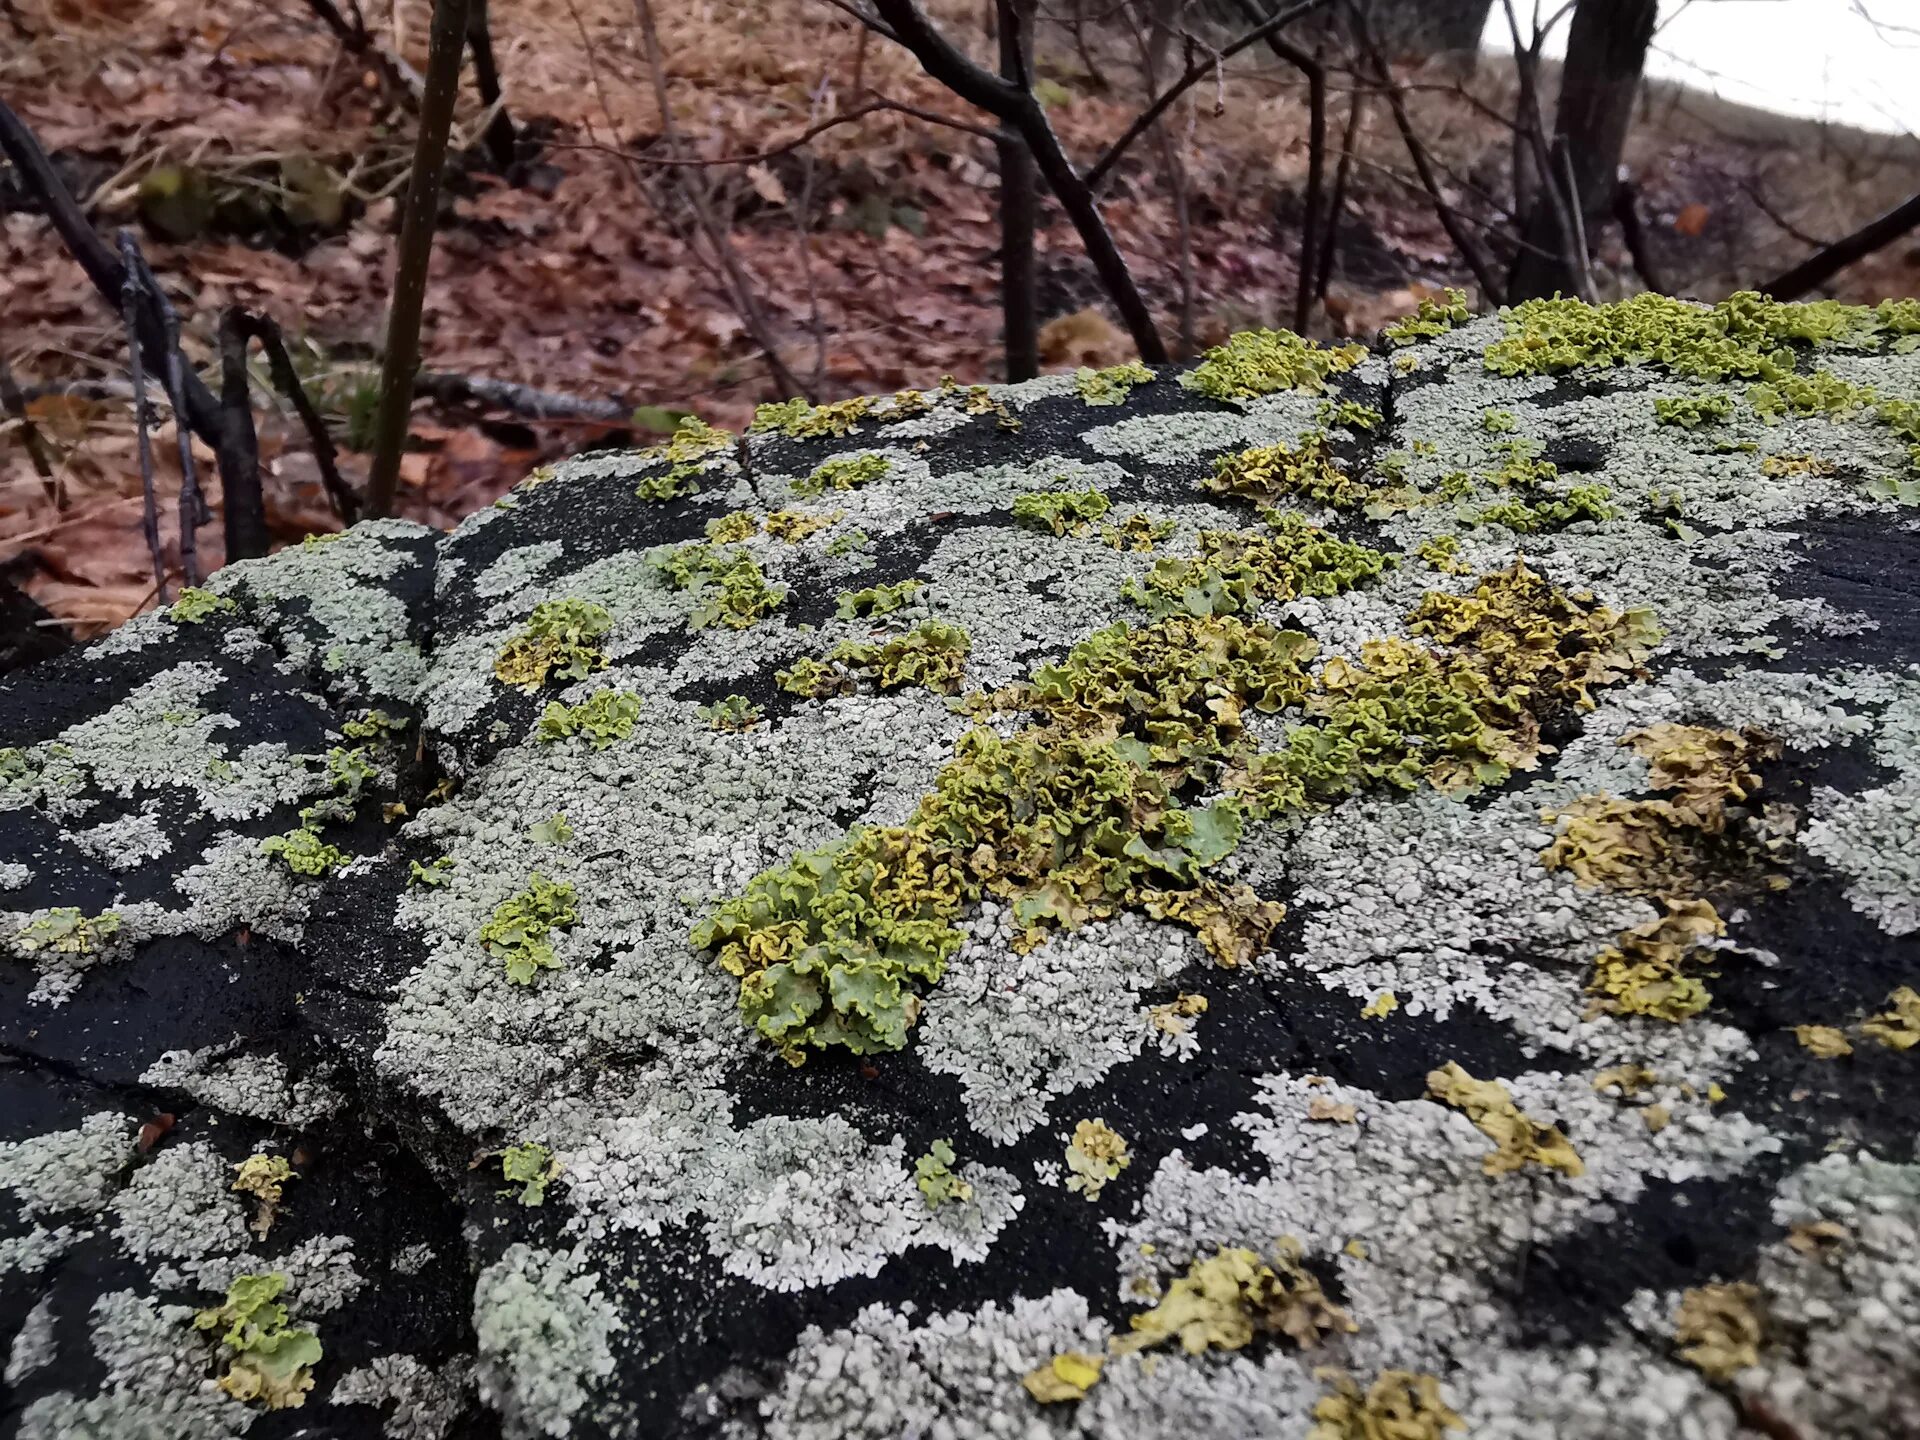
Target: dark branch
point(15, 405)
point(1316, 75)
point(286, 380)
point(1822, 266)
point(130, 312)
point(521, 400)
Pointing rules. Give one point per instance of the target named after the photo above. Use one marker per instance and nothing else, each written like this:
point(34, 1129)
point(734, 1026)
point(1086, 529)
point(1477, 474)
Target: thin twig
point(447, 39)
point(1316, 75)
point(286, 380)
point(1417, 152)
point(130, 316)
point(786, 147)
point(1142, 122)
point(193, 507)
point(1338, 204)
point(16, 406)
point(746, 303)
point(521, 400)
point(1626, 209)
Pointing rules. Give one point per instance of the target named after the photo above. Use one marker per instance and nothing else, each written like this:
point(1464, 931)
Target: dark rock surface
point(1652, 1202)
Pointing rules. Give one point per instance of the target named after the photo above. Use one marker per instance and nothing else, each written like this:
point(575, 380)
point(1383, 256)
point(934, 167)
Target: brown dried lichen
point(1719, 1329)
point(1399, 1405)
point(1223, 1302)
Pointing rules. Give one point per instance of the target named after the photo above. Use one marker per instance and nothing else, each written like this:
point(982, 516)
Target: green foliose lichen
point(1237, 570)
point(933, 1176)
point(1432, 316)
point(877, 600)
point(559, 641)
point(66, 930)
point(933, 654)
point(602, 719)
point(828, 946)
point(1582, 502)
point(799, 420)
point(843, 472)
point(304, 853)
point(1268, 473)
point(521, 929)
point(733, 589)
point(267, 1360)
point(731, 529)
point(1139, 534)
point(733, 712)
point(813, 678)
point(194, 605)
point(1253, 363)
point(1063, 512)
point(531, 1167)
point(1690, 412)
point(1112, 385)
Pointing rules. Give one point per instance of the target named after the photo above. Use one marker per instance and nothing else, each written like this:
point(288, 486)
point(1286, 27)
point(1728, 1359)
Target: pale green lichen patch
point(521, 929)
point(1253, 363)
point(1272, 472)
point(1237, 570)
point(1690, 412)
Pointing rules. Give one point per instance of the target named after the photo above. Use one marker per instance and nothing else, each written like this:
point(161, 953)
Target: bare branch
point(1101, 168)
point(1316, 75)
point(1018, 108)
point(522, 400)
point(286, 380)
point(876, 105)
point(1423, 167)
point(130, 316)
point(15, 405)
point(401, 358)
point(1822, 266)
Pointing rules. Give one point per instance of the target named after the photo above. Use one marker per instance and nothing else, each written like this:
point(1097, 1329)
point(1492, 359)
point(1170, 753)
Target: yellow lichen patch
point(1095, 1155)
point(262, 1177)
point(1529, 635)
point(1700, 769)
point(1719, 1329)
point(1823, 1042)
point(793, 526)
point(1381, 1006)
point(1642, 972)
point(1519, 1140)
point(1399, 1405)
point(1222, 1303)
point(1779, 465)
point(1068, 1376)
point(1631, 845)
point(1898, 1026)
point(732, 528)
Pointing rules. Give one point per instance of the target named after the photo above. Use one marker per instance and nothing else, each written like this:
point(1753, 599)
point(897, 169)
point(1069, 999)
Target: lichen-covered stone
point(1328, 893)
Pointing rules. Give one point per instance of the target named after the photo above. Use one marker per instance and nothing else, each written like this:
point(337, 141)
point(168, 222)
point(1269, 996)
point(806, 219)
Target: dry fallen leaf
point(1692, 219)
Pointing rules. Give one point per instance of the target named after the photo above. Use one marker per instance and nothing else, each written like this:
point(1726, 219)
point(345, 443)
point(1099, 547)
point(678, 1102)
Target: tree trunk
point(1606, 51)
point(1019, 204)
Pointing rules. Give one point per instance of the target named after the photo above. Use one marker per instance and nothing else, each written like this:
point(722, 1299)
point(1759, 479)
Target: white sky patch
point(1850, 62)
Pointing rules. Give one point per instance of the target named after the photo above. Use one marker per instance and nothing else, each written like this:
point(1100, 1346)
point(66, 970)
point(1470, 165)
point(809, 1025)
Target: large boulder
point(1330, 892)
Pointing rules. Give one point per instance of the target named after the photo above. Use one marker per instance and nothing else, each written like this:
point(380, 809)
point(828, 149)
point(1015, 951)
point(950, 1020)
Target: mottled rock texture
point(1398, 906)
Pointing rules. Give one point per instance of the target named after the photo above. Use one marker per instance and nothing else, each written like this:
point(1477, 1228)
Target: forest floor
point(260, 164)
